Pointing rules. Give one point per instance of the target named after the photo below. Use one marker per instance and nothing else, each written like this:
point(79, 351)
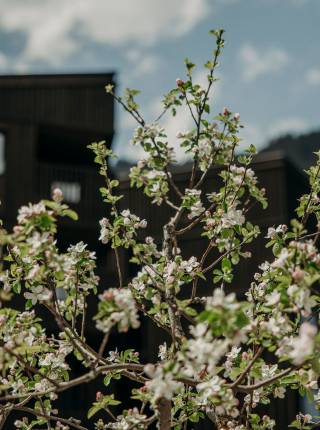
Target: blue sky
point(269, 73)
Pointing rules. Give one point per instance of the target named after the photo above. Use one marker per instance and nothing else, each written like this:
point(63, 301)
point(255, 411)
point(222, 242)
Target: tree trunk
point(164, 408)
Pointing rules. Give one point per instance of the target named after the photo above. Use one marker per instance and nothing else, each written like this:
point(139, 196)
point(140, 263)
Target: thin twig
point(83, 379)
point(203, 259)
point(194, 222)
point(248, 368)
point(29, 368)
point(49, 417)
point(116, 253)
point(83, 322)
point(206, 269)
point(103, 344)
point(256, 386)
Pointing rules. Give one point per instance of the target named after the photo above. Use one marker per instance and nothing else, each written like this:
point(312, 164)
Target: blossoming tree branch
point(213, 367)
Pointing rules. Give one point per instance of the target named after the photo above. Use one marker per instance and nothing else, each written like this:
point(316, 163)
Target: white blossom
point(27, 212)
point(38, 293)
point(302, 346)
point(163, 384)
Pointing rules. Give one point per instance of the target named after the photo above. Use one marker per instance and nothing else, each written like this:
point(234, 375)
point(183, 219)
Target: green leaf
point(191, 312)
point(216, 279)
point(194, 418)
point(226, 265)
point(276, 249)
point(107, 379)
point(206, 108)
point(28, 304)
point(93, 410)
point(71, 214)
point(16, 287)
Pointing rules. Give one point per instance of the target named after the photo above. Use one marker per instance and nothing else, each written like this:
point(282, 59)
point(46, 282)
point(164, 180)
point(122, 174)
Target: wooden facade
point(47, 122)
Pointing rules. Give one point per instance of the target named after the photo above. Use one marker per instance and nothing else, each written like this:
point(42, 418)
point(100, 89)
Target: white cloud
point(200, 77)
point(289, 125)
point(172, 125)
point(50, 26)
point(313, 76)
point(181, 122)
point(143, 62)
point(259, 135)
point(256, 63)
point(6, 64)
point(3, 61)
point(251, 134)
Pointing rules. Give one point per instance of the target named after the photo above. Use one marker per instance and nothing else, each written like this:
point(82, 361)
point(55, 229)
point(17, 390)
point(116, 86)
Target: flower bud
point(99, 395)
point(144, 389)
point(108, 295)
point(244, 355)
point(149, 369)
point(225, 112)
point(17, 229)
point(57, 195)
point(297, 275)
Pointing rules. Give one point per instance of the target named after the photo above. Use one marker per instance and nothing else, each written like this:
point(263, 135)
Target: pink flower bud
point(179, 82)
point(17, 229)
point(297, 275)
point(99, 395)
point(244, 355)
point(226, 112)
point(108, 295)
point(57, 195)
point(144, 389)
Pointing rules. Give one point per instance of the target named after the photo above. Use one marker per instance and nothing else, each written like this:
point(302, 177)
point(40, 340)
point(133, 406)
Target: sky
point(269, 71)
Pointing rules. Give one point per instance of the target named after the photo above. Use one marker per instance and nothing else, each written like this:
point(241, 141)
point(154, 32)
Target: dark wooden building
point(46, 122)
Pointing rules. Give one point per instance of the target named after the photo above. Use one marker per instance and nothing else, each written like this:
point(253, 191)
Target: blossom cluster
point(122, 230)
point(151, 172)
point(117, 307)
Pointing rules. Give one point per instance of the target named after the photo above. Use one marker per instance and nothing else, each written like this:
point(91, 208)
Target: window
point(71, 190)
